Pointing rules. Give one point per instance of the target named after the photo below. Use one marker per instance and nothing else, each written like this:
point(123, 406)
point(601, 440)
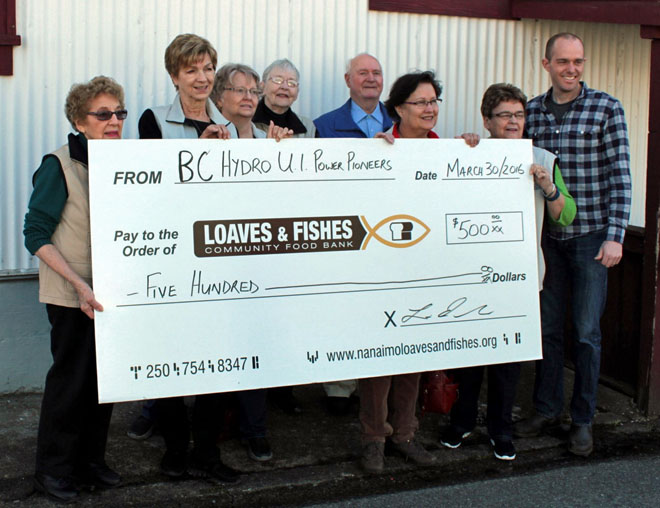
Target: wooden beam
point(649, 348)
point(10, 40)
point(649, 32)
point(640, 12)
point(499, 9)
point(8, 37)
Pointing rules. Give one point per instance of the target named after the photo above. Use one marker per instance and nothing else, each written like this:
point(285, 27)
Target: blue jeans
point(570, 265)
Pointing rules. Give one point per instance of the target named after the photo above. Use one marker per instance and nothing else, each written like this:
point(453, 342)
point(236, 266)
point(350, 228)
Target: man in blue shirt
point(587, 130)
point(362, 116)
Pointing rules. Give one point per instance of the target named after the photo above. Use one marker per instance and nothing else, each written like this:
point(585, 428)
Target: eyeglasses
point(254, 92)
point(105, 115)
point(292, 83)
point(507, 115)
point(421, 104)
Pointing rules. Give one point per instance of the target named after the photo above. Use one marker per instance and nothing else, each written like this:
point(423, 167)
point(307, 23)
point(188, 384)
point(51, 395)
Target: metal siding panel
point(69, 41)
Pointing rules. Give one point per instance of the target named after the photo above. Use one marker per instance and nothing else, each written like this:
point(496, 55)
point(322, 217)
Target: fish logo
point(399, 231)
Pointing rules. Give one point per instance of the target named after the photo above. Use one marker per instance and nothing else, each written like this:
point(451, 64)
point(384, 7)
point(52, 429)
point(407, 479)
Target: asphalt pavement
point(630, 482)
point(315, 457)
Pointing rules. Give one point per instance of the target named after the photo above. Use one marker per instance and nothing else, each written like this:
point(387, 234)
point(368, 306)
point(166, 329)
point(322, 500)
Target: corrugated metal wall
point(66, 41)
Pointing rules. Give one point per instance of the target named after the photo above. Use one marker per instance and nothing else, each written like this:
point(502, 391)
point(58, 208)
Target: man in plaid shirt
point(587, 130)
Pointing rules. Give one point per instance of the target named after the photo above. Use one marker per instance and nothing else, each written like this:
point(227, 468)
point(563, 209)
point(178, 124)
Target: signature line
point(466, 320)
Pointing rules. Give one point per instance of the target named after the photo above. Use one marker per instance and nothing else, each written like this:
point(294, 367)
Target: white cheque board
point(232, 265)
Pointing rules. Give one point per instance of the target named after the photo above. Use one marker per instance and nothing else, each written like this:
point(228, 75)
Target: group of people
point(580, 130)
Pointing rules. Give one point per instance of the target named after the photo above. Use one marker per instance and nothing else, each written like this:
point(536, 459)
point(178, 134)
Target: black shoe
point(214, 469)
point(62, 490)
point(141, 428)
point(283, 399)
point(258, 448)
point(452, 438)
point(173, 464)
point(581, 440)
point(533, 426)
point(503, 449)
point(98, 474)
point(338, 406)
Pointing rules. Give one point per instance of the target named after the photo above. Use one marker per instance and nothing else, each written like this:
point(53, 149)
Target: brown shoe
point(581, 440)
point(413, 451)
point(533, 426)
point(373, 457)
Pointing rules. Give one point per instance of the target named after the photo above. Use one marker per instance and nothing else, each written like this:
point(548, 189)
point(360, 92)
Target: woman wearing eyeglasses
point(413, 105)
point(280, 85)
point(503, 112)
point(73, 426)
point(236, 94)
point(388, 403)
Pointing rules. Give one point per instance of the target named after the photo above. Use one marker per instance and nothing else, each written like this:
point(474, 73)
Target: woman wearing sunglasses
point(73, 426)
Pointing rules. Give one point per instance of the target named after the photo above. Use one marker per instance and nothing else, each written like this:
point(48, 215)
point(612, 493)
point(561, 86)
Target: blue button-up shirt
point(592, 145)
point(370, 123)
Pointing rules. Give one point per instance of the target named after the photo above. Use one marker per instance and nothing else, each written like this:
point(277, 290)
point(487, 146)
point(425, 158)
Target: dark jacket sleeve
point(46, 204)
point(148, 126)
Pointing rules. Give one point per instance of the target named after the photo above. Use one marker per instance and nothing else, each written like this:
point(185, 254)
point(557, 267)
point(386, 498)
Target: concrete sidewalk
point(315, 455)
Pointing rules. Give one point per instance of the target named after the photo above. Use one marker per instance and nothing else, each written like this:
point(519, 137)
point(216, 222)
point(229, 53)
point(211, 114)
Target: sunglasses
point(106, 115)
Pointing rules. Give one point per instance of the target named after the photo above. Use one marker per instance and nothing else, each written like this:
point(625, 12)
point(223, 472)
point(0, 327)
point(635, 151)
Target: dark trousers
point(207, 419)
point(502, 382)
point(252, 412)
point(172, 419)
point(73, 426)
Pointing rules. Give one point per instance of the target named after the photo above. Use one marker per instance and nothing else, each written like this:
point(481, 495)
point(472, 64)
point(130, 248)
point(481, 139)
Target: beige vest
point(71, 237)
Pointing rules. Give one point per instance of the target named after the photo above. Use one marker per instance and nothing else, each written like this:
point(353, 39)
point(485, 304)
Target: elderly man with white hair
point(361, 116)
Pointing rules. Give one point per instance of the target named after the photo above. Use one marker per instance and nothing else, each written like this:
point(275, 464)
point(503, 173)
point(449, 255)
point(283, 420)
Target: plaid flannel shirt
point(592, 145)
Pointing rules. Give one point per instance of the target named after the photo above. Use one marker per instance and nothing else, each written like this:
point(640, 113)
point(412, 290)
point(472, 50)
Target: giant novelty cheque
point(241, 264)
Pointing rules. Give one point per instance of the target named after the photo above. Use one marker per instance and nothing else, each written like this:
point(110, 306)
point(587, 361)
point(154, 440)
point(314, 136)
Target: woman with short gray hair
point(281, 84)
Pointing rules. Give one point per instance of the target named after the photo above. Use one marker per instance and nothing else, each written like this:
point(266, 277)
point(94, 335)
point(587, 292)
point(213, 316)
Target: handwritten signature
point(456, 309)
